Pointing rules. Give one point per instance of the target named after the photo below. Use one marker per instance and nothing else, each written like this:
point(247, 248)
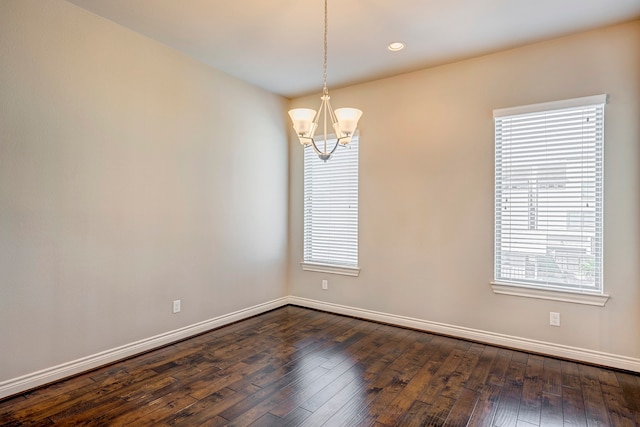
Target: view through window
point(548, 194)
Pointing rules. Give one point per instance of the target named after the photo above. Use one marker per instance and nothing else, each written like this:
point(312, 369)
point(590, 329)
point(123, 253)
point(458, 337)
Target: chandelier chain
point(324, 68)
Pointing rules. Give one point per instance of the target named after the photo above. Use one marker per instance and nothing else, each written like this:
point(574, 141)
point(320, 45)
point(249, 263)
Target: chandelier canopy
point(342, 121)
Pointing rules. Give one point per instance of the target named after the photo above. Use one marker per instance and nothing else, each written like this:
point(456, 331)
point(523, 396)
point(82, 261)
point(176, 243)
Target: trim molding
point(331, 269)
point(45, 376)
point(598, 300)
point(546, 348)
point(552, 105)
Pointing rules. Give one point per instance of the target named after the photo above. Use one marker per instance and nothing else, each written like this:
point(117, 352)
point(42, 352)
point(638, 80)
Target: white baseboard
point(551, 349)
point(45, 376)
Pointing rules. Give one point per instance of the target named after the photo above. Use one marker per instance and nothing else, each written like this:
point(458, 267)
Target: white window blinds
point(331, 206)
point(548, 194)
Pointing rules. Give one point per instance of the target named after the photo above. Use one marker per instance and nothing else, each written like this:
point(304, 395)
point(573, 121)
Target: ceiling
point(278, 44)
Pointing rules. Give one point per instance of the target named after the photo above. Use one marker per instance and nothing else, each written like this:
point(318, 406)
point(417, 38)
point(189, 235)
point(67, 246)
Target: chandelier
point(343, 120)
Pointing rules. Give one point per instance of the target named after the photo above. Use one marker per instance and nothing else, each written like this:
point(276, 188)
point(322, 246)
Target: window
point(331, 210)
point(548, 195)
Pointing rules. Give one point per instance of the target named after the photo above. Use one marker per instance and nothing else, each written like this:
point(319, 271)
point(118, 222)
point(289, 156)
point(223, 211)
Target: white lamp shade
point(302, 119)
point(348, 119)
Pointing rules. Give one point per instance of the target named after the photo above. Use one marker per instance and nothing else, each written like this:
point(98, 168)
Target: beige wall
point(426, 191)
point(130, 176)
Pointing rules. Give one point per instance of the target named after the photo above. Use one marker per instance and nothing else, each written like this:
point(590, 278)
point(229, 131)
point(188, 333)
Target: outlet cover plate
point(554, 318)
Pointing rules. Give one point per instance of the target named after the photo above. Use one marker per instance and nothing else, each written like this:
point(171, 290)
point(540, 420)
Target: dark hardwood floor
point(299, 367)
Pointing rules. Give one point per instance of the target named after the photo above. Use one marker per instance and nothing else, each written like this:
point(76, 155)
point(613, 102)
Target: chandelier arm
point(315, 148)
point(322, 154)
point(344, 137)
point(335, 146)
point(313, 144)
point(316, 119)
point(332, 116)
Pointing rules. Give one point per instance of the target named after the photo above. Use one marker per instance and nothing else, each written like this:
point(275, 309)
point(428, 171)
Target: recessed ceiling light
point(395, 46)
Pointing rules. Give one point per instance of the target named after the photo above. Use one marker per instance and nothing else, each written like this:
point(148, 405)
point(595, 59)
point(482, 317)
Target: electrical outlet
point(554, 318)
point(176, 306)
point(325, 285)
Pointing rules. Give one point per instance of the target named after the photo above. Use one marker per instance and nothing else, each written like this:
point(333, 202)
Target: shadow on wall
point(637, 178)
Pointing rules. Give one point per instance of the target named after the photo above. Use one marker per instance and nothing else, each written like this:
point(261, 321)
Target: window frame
point(547, 291)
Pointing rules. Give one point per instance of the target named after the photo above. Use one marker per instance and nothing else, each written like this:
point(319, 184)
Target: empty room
point(320, 212)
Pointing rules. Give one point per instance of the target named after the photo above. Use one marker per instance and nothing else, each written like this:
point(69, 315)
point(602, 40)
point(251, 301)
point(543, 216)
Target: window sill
point(565, 296)
point(331, 269)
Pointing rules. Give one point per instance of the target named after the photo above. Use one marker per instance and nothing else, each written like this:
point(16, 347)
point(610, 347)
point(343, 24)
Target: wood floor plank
point(31, 404)
point(462, 409)
point(86, 411)
point(366, 357)
point(383, 384)
point(374, 355)
point(519, 357)
point(486, 406)
point(308, 372)
point(415, 415)
point(388, 393)
point(631, 391)
point(595, 408)
point(608, 377)
point(619, 413)
point(551, 410)
point(295, 417)
point(531, 403)
point(440, 349)
point(153, 412)
point(292, 401)
point(211, 382)
point(498, 369)
point(320, 398)
point(570, 374)
point(142, 405)
point(89, 397)
point(268, 399)
point(573, 411)
point(439, 381)
point(294, 366)
point(436, 413)
point(521, 423)
point(482, 369)
point(57, 392)
point(510, 396)
point(267, 420)
point(352, 412)
point(214, 422)
point(552, 376)
point(208, 408)
point(462, 372)
point(353, 390)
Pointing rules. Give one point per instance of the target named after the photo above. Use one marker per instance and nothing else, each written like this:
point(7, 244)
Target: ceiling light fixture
point(395, 46)
point(343, 121)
